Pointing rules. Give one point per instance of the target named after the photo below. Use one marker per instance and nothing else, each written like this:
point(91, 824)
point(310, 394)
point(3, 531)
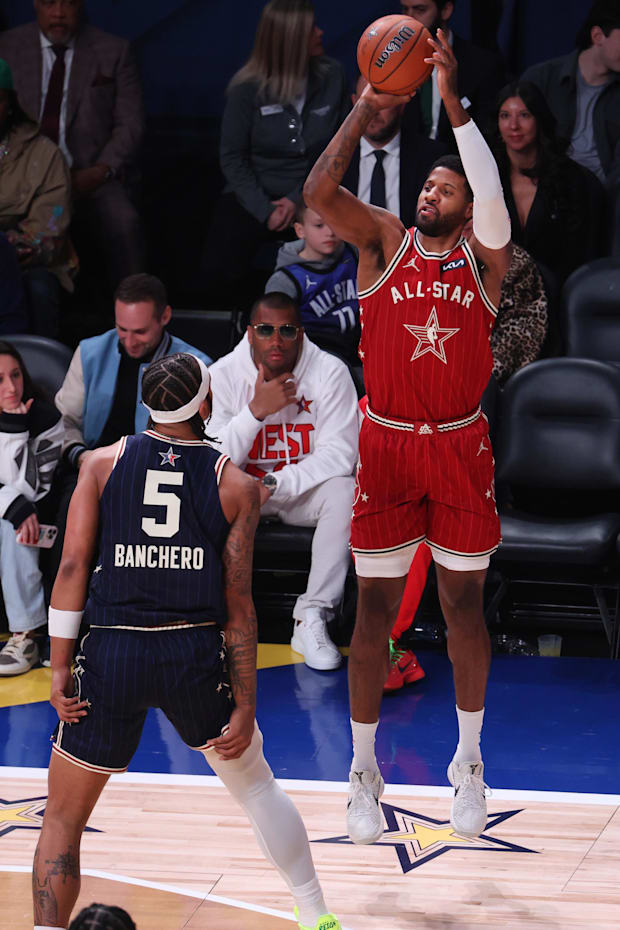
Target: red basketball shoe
point(404, 669)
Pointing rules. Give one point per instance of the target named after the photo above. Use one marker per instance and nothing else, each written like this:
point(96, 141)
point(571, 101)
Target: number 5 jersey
point(162, 534)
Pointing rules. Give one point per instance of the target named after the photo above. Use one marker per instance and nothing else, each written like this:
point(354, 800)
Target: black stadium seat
point(591, 311)
point(47, 361)
point(558, 453)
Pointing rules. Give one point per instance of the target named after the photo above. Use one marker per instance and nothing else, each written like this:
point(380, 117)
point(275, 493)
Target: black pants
point(239, 256)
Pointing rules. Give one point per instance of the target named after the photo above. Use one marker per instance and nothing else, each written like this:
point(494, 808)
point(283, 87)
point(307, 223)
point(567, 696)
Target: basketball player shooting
point(176, 517)
point(428, 303)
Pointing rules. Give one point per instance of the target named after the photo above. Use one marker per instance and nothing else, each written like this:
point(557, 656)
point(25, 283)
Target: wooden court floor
point(183, 856)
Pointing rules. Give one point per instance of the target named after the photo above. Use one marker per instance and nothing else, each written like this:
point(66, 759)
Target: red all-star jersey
point(426, 325)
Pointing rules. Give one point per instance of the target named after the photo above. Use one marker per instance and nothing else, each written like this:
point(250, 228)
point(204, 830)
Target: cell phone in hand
point(47, 536)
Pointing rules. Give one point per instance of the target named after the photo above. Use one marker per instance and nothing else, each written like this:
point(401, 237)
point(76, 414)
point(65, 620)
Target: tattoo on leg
point(67, 866)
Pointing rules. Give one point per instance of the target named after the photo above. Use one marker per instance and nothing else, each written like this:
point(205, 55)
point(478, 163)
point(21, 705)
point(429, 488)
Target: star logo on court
point(24, 814)
point(303, 405)
point(431, 338)
point(169, 458)
point(418, 839)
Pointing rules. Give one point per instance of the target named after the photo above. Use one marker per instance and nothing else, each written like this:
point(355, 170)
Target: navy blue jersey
point(162, 536)
point(327, 299)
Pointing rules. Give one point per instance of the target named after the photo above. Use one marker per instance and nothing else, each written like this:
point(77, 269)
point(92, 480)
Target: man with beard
point(481, 75)
point(428, 301)
point(390, 166)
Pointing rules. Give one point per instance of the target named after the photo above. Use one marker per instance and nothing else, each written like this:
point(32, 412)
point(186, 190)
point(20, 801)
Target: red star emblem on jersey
point(169, 458)
point(430, 338)
point(303, 405)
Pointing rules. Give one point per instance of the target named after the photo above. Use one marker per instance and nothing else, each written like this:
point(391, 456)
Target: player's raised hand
point(383, 101)
point(272, 396)
point(237, 736)
point(67, 704)
point(445, 61)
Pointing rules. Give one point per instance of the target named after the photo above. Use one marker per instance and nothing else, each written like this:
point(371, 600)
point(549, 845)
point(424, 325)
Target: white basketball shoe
point(468, 816)
point(311, 640)
point(364, 814)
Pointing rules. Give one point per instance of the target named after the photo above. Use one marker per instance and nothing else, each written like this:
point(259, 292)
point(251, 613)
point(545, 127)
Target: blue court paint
point(550, 725)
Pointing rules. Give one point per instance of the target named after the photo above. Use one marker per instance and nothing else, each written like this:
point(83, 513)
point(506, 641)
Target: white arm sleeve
point(491, 219)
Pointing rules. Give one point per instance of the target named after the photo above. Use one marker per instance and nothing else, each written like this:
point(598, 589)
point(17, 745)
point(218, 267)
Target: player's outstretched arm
point(491, 240)
point(239, 496)
point(71, 585)
point(351, 219)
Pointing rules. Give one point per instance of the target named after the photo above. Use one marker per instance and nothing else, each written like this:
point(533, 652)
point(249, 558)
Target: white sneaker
point(18, 655)
point(311, 639)
point(364, 814)
point(468, 816)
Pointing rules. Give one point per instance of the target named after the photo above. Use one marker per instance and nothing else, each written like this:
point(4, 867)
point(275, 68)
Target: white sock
point(470, 726)
point(364, 759)
point(309, 899)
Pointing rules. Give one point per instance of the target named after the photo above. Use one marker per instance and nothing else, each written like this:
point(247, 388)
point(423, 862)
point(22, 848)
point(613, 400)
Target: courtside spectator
point(100, 399)
point(522, 317)
point(481, 74)
point(30, 447)
point(319, 272)
point(392, 161)
point(582, 90)
point(556, 206)
point(35, 201)
point(281, 108)
point(82, 86)
point(286, 412)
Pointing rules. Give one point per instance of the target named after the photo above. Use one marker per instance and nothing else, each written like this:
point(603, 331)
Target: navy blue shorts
point(121, 673)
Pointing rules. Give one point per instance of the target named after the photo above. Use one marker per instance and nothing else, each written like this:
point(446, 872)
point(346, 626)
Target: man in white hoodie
point(286, 412)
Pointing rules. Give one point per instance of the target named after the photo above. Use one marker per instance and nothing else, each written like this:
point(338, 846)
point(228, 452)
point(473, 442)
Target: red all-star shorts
point(424, 481)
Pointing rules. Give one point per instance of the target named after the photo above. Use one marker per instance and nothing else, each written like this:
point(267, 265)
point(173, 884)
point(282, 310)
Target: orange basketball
point(391, 54)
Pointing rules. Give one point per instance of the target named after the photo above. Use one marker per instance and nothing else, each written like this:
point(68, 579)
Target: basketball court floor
point(168, 844)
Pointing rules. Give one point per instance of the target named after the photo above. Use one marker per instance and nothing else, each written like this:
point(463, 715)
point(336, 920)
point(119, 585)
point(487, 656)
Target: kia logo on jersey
point(454, 264)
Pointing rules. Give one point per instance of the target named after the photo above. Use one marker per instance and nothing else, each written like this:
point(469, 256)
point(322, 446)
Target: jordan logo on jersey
point(430, 338)
point(413, 264)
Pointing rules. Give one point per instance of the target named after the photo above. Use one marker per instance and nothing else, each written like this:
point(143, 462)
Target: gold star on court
point(417, 839)
point(25, 814)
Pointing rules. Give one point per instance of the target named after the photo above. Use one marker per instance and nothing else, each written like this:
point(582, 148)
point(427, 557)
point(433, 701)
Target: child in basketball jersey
point(319, 271)
point(171, 625)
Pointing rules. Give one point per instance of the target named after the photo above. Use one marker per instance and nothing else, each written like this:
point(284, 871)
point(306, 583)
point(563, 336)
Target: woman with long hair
point(31, 434)
point(556, 206)
point(282, 107)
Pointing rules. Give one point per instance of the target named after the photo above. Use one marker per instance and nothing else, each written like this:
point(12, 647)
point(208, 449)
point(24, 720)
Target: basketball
point(391, 53)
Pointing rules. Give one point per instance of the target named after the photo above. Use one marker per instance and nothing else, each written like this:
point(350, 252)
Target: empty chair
point(591, 311)
point(558, 455)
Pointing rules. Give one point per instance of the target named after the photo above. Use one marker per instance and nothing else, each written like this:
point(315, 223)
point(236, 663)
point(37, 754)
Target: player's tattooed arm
point(241, 627)
point(369, 228)
point(66, 867)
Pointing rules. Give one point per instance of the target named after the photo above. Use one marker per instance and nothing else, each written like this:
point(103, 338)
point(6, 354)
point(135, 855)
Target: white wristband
point(64, 623)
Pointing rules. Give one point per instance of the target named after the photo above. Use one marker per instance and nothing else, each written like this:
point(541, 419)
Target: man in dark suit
point(481, 75)
point(82, 86)
point(392, 162)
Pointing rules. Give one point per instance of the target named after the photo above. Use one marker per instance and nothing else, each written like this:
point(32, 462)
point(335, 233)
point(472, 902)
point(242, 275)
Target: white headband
point(188, 410)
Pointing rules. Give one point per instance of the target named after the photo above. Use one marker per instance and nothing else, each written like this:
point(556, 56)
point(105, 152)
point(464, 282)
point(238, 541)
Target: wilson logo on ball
point(395, 45)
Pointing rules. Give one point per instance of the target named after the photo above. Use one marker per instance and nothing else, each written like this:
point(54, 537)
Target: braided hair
point(102, 917)
point(170, 383)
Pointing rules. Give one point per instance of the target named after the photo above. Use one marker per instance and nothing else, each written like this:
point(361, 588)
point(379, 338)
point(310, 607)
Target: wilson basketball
point(391, 54)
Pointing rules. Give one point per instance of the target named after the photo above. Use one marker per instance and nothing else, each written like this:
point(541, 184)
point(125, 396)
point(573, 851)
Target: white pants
point(22, 588)
point(328, 508)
